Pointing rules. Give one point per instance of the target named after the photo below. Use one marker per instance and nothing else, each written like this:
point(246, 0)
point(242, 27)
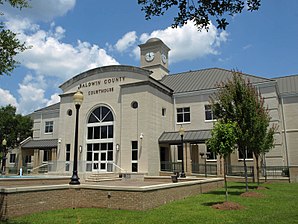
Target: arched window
point(100, 139)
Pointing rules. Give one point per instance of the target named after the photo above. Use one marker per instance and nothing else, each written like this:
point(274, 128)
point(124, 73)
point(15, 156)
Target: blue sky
point(68, 37)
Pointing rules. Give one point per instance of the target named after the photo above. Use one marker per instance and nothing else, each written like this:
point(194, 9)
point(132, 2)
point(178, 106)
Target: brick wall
point(26, 200)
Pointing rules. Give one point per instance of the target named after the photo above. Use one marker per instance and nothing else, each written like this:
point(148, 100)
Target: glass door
point(95, 161)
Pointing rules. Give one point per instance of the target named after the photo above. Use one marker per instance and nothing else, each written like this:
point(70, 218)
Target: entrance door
point(103, 161)
point(95, 161)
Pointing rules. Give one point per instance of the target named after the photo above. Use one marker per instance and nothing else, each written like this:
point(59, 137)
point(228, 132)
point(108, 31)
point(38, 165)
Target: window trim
point(183, 115)
point(48, 126)
point(209, 110)
point(15, 157)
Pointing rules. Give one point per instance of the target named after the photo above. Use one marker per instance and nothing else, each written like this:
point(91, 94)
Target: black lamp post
point(77, 99)
point(4, 142)
point(181, 133)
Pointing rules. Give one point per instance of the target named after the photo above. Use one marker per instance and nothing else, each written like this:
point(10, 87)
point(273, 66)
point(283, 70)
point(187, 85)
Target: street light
point(181, 133)
point(205, 157)
point(77, 99)
point(4, 142)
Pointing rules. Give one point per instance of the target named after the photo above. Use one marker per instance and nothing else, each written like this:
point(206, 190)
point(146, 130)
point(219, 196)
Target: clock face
point(164, 58)
point(149, 56)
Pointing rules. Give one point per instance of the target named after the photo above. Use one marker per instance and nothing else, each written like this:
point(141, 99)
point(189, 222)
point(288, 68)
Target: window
point(49, 126)
point(163, 112)
point(134, 156)
point(67, 157)
point(183, 114)
point(249, 155)
point(209, 114)
point(46, 155)
point(28, 159)
point(12, 158)
point(212, 155)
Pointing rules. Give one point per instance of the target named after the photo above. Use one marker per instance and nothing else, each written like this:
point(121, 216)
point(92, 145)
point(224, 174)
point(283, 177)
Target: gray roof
point(194, 136)
point(55, 106)
point(40, 144)
point(203, 79)
point(288, 84)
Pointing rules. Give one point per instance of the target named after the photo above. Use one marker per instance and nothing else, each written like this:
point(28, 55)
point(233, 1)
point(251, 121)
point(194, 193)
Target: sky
point(68, 37)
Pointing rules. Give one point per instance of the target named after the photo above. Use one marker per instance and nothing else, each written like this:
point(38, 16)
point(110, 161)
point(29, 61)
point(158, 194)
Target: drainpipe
point(285, 131)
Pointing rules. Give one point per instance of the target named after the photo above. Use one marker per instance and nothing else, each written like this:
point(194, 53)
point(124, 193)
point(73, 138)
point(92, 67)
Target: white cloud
point(126, 41)
point(187, 43)
point(7, 98)
point(55, 98)
point(50, 56)
point(41, 11)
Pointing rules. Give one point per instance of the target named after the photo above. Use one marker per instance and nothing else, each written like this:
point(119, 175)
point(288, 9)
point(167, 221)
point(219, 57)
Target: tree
point(223, 142)
point(10, 46)
point(199, 11)
point(240, 102)
point(14, 127)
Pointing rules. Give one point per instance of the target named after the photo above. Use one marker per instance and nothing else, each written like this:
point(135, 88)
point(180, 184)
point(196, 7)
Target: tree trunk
point(225, 178)
point(258, 169)
point(245, 170)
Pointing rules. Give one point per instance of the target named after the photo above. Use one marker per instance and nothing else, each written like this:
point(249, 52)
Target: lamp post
point(205, 157)
point(77, 99)
point(4, 142)
point(181, 133)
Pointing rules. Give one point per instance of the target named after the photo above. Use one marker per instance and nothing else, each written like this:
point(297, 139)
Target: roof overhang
point(194, 136)
point(45, 144)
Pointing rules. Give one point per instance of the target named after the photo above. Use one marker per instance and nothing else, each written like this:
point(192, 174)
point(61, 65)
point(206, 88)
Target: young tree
point(239, 101)
point(10, 46)
point(14, 127)
point(199, 11)
point(223, 143)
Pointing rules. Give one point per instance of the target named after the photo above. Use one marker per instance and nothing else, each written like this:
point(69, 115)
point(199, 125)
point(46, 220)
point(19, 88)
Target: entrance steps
point(98, 177)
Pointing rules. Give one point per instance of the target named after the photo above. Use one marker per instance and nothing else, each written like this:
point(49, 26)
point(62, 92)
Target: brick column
point(187, 158)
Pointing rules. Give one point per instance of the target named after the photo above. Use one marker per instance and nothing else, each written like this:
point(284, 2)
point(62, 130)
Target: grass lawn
point(279, 204)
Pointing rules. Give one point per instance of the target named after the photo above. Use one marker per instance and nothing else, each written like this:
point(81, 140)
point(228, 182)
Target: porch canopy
point(194, 136)
point(40, 144)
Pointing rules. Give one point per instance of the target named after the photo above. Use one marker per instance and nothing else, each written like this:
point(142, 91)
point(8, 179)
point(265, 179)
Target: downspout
point(285, 131)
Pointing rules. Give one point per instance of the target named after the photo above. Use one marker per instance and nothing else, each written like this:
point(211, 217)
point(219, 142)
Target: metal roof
point(288, 84)
point(189, 136)
point(41, 144)
point(203, 79)
point(55, 106)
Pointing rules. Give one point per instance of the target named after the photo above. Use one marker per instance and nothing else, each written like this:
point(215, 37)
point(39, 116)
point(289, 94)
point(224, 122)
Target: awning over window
point(195, 136)
point(40, 144)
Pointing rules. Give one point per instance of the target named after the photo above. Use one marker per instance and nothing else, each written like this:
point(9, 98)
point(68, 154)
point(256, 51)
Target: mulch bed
point(228, 205)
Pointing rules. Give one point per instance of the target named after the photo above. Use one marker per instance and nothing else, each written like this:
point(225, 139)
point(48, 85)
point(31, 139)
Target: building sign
point(101, 85)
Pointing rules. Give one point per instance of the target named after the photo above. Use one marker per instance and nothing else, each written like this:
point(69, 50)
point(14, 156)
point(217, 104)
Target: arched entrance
point(100, 140)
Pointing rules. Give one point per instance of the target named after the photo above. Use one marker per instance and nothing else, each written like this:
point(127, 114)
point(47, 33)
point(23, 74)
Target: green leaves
point(10, 46)
point(14, 127)
point(201, 12)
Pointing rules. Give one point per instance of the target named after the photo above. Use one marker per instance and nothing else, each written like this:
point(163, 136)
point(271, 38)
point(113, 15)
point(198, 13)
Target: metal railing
point(275, 171)
point(170, 166)
point(239, 171)
point(209, 169)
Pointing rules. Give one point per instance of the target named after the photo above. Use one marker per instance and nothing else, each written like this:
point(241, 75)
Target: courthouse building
point(130, 118)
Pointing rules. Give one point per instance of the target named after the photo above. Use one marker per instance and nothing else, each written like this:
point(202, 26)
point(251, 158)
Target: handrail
point(117, 166)
point(42, 165)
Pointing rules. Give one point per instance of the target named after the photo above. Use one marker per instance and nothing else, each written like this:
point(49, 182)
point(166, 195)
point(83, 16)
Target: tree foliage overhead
point(10, 46)
point(199, 11)
point(14, 127)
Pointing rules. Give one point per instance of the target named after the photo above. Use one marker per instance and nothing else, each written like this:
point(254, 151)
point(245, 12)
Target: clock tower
point(154, 57)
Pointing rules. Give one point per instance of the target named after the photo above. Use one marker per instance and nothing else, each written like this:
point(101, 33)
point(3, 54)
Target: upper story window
point(209, 114)
point(49, 126)
point(183, 114)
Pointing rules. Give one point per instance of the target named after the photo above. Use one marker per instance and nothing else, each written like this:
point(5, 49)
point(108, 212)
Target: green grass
point(279, 205)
